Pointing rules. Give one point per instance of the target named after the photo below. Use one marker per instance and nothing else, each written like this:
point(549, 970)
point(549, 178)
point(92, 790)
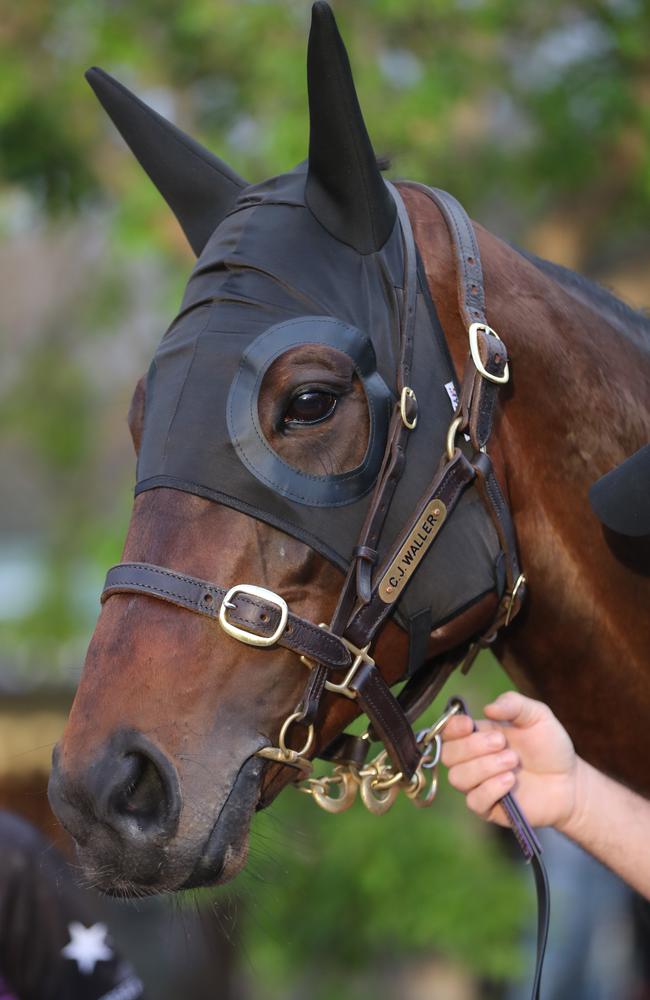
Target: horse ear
point(344, 189)
point(198, 186)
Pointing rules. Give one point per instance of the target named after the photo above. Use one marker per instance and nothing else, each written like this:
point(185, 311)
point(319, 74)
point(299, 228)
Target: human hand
point(520, 747)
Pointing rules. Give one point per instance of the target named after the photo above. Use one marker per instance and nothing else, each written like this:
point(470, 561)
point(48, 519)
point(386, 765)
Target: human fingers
point(516, 708)
point(462, 725)
point(472, 773)
point(485, 797)
point(457, 727)
point(477, 744)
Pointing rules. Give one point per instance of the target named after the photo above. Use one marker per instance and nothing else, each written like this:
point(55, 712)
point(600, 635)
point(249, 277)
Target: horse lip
point(230, 826)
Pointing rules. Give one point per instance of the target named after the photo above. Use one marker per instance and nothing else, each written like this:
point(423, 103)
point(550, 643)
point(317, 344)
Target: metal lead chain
point(377, 783)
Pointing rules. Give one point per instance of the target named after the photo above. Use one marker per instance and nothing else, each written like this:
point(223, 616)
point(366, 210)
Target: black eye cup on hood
point(248, 438)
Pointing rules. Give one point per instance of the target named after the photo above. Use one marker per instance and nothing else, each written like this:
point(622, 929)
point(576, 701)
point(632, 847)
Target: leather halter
point(261, 618)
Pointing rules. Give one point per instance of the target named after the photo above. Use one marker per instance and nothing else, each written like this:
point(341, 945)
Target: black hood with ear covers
point(271, 277)
point(314, 256)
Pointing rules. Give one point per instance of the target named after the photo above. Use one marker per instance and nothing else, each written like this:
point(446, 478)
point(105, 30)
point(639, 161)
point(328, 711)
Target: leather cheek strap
point(478, 395)
point(388, 720)
point(250, 613)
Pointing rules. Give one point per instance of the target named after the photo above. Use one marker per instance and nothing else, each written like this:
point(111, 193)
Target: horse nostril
point(136, 789)
point(142, 796)
point(142, 793)
point(132, 788)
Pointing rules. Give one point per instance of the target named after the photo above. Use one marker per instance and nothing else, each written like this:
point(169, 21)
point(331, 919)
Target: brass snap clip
point(347, 787)
point(361, 656)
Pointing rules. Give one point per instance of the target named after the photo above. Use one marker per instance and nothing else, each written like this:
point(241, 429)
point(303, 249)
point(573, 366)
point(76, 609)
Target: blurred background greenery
point(536, 116)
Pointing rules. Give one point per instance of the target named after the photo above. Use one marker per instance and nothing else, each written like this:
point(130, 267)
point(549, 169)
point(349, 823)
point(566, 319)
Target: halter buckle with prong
point(251, 638)
point(476, 356)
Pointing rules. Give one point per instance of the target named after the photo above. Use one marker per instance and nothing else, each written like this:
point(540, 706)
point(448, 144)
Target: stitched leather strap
point(490, 492)
point(469, 272)
point(251, 613)
point(448, 486)
point(478, 395)
point(381, 704)
point(388, 720)
point(357, 584)
point(398, 434)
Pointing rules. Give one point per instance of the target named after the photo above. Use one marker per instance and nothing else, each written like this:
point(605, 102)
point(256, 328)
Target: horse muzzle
point(124, 810)
point(124, 804)
point(125, 813)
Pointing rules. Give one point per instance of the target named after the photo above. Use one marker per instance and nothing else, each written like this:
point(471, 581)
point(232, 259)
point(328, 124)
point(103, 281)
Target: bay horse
point(262, 431)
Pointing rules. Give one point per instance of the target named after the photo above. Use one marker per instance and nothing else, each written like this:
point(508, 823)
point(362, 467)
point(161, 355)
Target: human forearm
point(612, 823)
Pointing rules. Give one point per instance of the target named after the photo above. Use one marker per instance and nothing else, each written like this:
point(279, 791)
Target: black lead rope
point(532, 851)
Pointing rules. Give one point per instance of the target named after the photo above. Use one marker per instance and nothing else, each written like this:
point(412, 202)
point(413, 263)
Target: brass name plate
point(412, 551)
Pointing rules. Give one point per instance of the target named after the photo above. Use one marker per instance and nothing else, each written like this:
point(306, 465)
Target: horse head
point(276, 402)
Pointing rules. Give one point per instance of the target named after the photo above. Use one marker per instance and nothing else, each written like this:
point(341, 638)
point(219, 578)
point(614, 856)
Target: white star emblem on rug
point(87, 946)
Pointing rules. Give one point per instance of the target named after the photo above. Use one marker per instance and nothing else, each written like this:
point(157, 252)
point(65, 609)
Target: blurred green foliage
point(522, 110)
point(539, 104)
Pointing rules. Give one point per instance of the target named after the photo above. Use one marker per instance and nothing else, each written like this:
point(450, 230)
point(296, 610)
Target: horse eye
point(310, 407)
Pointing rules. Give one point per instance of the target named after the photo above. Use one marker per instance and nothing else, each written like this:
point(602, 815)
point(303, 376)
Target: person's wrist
point(571, 822)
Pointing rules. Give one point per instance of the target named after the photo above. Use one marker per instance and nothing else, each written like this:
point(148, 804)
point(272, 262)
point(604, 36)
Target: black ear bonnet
point(314, 256)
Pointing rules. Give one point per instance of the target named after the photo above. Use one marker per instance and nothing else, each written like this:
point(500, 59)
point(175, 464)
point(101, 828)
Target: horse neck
point(575, 408)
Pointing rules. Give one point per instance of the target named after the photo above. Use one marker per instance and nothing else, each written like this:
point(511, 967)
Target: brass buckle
point(360, 656)
point(407, 393)
point(476, 357)
point(249, 637)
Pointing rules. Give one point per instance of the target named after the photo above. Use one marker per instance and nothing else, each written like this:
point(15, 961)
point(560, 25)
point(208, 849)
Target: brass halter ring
point(286, 726)
point(408, 394)
point(454, 427)
point(283, 754)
